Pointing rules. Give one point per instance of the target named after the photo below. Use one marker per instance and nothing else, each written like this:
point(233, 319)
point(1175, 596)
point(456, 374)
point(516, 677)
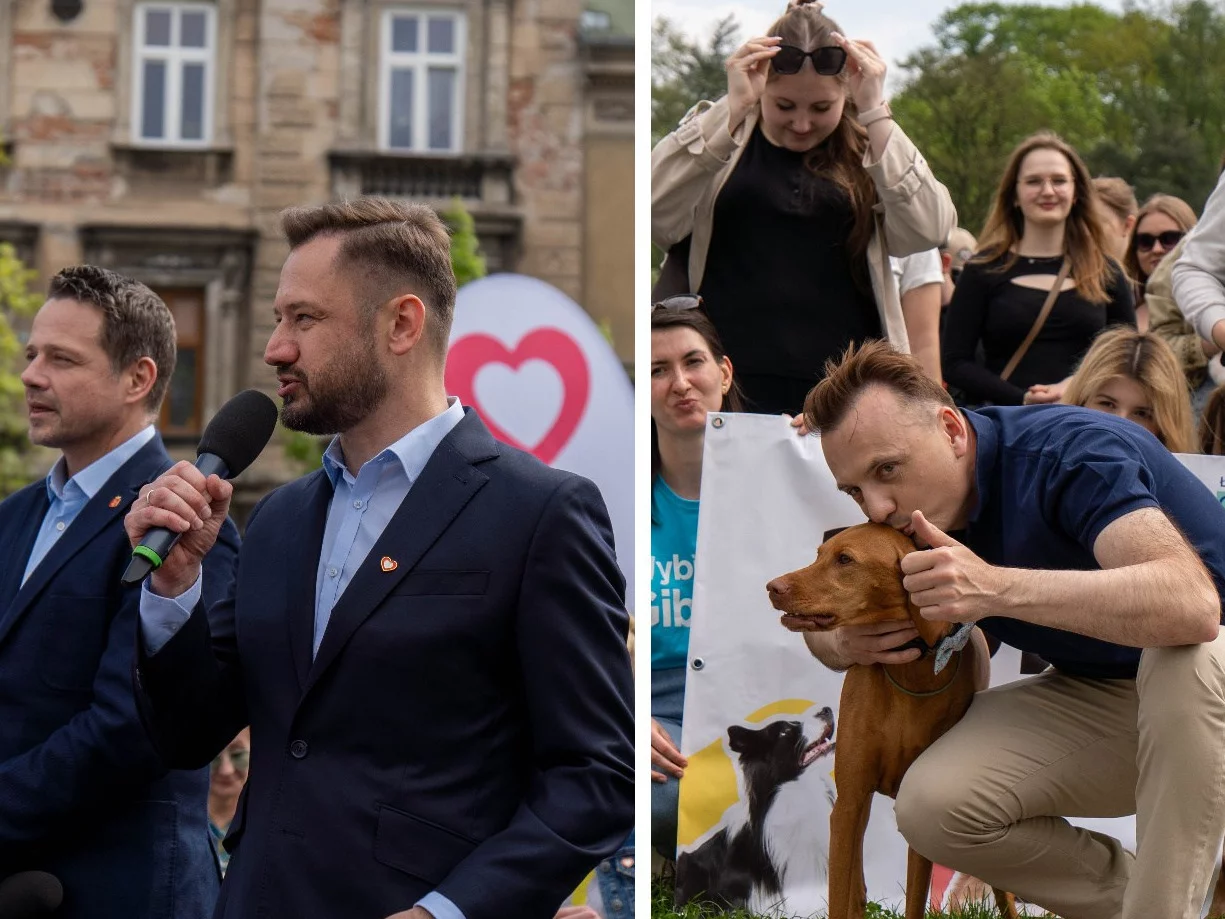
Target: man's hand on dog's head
point(950, 583)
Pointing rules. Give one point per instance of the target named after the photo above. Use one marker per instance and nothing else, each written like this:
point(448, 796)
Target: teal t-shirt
point(674, 540)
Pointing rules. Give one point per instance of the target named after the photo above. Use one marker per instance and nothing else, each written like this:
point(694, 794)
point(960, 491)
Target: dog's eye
point(844, 559)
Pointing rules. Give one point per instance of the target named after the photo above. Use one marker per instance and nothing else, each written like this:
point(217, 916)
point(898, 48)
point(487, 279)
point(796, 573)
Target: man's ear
point(141, 376)
point(407, 323)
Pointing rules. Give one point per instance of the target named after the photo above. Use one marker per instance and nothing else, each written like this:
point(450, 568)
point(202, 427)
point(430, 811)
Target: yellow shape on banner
point(781, 707)
point(579, 897)
point(709, 786)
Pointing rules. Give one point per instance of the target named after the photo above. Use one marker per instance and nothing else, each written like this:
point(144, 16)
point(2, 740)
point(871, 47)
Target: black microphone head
point(30, 893)
point(240, 430)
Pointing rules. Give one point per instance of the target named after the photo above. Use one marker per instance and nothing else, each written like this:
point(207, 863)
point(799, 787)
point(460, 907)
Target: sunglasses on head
point(679, 302)
point(826, 61)
point(1169, 239)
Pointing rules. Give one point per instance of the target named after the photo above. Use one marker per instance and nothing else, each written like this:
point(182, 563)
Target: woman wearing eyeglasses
point(1161, 224)
point(1040, 288)
point(773, 188)
point(226, 778)
point(691, 376)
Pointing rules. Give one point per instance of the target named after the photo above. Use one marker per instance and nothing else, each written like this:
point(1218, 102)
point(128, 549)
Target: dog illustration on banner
point(776, 830)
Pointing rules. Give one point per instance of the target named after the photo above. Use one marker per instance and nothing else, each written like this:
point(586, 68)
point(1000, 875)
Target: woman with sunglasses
point(1041, 286)
point(690, 377)
point(1160, 226)
point(772, 190)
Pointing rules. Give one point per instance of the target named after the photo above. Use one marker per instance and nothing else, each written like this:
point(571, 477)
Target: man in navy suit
point(427, 636)
point(84, 794)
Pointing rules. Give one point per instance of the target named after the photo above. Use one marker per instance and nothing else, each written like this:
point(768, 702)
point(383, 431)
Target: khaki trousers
point(990, 796)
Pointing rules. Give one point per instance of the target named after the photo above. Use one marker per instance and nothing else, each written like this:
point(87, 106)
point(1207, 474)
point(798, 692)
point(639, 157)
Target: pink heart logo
point(472, 352)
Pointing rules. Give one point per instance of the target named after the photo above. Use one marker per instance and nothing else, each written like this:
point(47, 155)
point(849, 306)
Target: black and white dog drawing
point(777, 834)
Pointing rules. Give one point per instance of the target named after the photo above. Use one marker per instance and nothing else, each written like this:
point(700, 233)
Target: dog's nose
point(777, 587)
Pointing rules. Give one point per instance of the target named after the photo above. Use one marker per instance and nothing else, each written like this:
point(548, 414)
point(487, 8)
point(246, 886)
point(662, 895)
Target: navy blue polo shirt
point(1050, 479)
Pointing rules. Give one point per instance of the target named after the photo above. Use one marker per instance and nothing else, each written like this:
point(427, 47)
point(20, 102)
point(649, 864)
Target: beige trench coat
point(690, 166)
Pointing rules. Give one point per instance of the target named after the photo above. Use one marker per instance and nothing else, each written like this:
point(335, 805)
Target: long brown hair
point(696, 319)
point(840, 156)
point(1176, 209)
point(1084, 237)
point(1147, 359)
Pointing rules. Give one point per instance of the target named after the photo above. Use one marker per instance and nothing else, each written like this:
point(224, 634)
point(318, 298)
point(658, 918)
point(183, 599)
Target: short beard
point(340, 400)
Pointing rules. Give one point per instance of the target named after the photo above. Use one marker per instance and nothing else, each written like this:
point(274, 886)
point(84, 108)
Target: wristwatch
point(873, 115)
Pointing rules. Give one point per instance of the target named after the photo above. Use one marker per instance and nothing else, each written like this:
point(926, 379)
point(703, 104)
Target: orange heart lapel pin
point(115, 502)
point(387, 563)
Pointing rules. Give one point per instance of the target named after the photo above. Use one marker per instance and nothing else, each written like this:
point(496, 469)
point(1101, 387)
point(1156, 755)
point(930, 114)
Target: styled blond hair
point(1145, 358)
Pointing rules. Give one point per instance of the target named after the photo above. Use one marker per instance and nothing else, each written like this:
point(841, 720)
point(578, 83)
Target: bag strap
point(1056, 290)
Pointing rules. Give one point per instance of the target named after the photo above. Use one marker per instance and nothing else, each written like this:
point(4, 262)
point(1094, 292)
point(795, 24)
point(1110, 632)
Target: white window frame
point(419, 62)
point(174, 56)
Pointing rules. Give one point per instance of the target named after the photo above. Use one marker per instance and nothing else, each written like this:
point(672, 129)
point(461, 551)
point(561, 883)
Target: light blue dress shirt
point(360, 509)
point(69, 496)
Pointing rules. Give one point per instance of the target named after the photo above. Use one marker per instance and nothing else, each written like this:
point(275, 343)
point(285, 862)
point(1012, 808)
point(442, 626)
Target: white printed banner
point(767, 501)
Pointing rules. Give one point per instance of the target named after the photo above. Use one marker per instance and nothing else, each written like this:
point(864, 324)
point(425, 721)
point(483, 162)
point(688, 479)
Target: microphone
point(28, 894)
point(231, 442)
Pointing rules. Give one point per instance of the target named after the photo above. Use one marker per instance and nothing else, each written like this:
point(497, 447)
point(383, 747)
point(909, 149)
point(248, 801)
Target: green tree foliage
point(466, 258)
point(1137, 93)
point(17, 300)
point(684, 72)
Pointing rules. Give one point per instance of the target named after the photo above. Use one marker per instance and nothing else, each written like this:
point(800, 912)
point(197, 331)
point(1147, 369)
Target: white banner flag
point(752, 687)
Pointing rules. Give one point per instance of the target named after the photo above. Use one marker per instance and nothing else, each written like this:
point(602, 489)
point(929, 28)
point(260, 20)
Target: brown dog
point(888, 714)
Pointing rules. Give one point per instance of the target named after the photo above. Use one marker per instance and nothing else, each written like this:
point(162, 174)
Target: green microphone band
point(147, 553)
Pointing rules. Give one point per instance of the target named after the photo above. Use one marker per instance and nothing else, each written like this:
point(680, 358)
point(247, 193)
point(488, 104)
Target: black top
point(778, 283)
point(988, 307)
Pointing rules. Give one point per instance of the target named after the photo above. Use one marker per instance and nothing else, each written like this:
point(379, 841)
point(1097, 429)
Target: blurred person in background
point(1117, 209)
point(958, 249)
point(1212, 424)
point(691, 376)
point(227, 776)
point(1199, 273)
point(84, 793)
point(1135, 375)
point(770, 197)
point(920, 284)
point(1043, 239)
point(1162, 223)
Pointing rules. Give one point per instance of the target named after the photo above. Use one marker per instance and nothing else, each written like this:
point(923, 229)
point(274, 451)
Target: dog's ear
point(737, 738)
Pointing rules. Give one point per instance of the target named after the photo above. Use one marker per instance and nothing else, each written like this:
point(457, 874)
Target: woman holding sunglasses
point(773, 189)
point(691, 376)
point(1161, 224)
point(1041, 287)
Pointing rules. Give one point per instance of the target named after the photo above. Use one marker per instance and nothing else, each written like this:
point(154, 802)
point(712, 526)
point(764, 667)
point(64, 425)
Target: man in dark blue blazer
point(427, 636)
point(83, 793)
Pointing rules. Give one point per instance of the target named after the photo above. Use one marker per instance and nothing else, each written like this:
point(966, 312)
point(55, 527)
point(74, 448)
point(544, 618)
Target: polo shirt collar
point(986, 454)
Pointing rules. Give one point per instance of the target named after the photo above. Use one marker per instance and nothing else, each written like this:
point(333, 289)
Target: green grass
point(662, 908)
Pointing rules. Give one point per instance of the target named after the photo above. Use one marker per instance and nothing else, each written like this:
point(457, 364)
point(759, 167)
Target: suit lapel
point(302, 559)
point(23, 518)
point(125, 485)
point(445, 486)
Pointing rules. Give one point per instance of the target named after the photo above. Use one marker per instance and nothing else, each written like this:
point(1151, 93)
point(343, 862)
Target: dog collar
point(945, 648)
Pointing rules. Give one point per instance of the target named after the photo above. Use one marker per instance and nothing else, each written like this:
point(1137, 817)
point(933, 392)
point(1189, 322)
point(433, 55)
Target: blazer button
point(298, 749)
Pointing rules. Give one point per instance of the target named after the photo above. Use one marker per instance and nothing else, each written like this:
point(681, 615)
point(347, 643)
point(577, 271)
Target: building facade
point(162, 138)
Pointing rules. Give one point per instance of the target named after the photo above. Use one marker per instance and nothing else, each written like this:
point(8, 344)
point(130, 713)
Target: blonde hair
point(389, 247)
point(1176, 209)
point(1116, 195)
point(1084, 237)
point(1145, 358)
point(840, 156)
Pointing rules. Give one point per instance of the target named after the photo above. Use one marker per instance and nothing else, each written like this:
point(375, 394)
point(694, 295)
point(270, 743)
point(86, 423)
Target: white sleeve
point(919, 269)
point(1199, 275)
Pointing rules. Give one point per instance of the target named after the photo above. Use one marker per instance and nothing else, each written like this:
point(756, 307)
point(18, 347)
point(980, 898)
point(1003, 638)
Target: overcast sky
point(896, 26)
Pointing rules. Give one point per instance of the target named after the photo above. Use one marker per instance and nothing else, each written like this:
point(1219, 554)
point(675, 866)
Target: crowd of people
point(797, 217)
